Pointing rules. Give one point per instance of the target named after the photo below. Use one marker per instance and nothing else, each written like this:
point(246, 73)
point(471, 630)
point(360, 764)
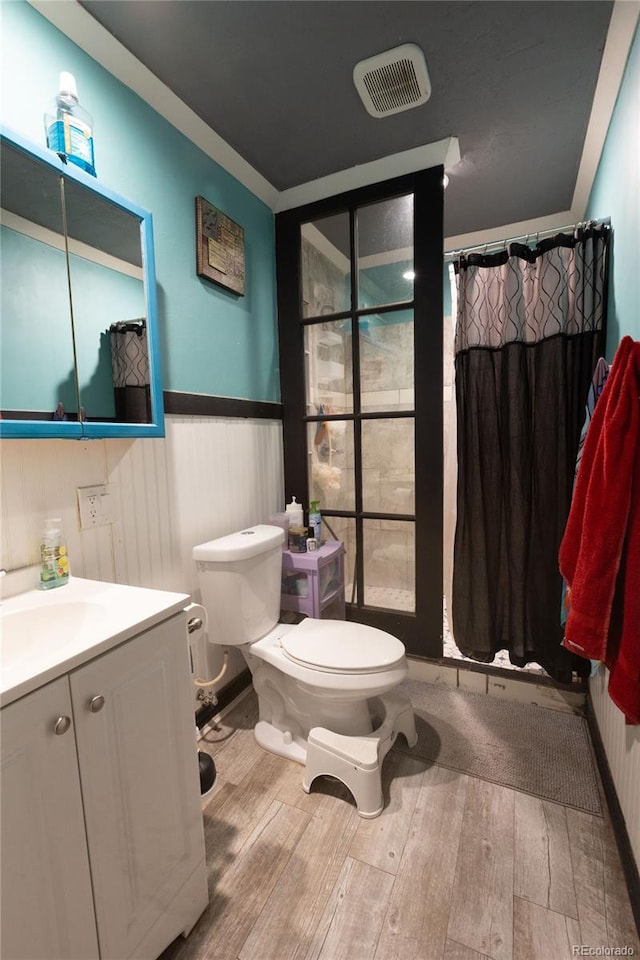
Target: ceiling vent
point(392, 81)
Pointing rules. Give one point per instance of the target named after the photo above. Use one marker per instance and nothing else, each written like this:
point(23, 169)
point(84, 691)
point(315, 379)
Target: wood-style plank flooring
point(455, 868)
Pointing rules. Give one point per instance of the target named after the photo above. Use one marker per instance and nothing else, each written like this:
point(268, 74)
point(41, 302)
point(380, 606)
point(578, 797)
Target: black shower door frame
point(420, 631)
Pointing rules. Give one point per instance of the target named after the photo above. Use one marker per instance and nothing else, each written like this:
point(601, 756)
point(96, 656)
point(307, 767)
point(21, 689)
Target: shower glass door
point(363, 429)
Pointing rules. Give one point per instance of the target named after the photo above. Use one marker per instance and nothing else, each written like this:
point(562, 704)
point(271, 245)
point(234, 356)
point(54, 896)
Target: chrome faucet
point(24, 566)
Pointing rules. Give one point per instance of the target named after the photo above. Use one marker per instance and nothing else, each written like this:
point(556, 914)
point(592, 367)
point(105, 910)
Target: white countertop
point(46, 633)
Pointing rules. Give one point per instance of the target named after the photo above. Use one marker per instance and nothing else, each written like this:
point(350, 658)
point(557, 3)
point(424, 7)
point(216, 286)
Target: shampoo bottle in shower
point(69, 128)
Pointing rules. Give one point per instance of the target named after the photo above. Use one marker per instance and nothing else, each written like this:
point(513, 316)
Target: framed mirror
point(78, 315)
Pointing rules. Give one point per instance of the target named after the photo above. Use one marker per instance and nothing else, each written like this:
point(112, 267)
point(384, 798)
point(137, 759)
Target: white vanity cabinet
point(47, 906)
point(102, 836)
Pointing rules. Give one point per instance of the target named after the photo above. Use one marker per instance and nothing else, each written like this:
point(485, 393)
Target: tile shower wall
point(388, 477)
point(207, 478)
point(388, 462)
point(324, 286)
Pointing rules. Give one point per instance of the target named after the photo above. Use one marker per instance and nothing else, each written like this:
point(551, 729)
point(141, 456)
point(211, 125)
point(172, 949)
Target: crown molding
point(56, 240)
point(77, 24)
point(622, 26)
point(445, 152)
point(509, 231)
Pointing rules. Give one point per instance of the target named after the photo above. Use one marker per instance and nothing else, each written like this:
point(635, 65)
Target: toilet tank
point(240, 582)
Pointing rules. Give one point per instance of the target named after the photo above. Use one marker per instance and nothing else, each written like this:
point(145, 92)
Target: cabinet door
point(140, 783)
point(47, 907)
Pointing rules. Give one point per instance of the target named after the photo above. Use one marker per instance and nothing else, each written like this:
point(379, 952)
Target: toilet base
point(357, 761)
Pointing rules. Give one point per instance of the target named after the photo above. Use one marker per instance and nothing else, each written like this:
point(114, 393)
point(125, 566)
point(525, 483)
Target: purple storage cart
point(313, 583)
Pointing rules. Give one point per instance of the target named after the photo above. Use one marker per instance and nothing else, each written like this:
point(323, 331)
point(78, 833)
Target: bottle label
point(54, 564)
point(72, 137)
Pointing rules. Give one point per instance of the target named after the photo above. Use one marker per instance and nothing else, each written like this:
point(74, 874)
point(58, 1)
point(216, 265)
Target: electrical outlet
point(93, 504)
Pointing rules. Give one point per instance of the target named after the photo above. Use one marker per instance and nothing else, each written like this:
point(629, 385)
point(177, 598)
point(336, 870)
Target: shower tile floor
point(396, 599)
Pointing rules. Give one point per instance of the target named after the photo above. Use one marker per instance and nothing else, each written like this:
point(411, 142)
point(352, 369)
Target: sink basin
point(46, 633)
point(23, 631)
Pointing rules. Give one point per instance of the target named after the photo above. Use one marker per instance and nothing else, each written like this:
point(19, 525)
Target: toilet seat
point(337, 646)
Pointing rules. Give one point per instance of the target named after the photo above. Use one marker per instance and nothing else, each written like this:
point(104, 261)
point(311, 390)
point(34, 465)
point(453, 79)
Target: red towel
point(600, 550)
point(623, 652)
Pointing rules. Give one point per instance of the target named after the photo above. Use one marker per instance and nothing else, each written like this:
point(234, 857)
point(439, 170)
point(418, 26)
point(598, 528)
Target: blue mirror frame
point(89, 429)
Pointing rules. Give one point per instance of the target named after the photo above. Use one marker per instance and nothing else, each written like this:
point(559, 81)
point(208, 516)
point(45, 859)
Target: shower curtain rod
point(538, 234)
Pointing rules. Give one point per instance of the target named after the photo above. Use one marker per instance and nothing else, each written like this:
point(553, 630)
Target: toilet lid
point(341, 647)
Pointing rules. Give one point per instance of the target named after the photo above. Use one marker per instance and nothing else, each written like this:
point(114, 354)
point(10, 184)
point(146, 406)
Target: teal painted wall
point(447, 305)
point(36, 349)
point(212, 341)
point(101, 296)
point(616, 193)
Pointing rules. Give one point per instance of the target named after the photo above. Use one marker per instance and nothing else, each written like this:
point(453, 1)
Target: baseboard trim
point(629, 865)
point(225, 696)
point(201, 405)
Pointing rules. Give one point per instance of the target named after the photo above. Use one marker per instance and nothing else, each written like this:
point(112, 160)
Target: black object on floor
point(207, 772)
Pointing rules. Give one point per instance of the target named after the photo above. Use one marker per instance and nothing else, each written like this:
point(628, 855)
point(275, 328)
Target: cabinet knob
point(96, 704)
point(61, 725)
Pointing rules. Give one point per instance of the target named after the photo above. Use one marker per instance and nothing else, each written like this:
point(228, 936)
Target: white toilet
point(325, 687)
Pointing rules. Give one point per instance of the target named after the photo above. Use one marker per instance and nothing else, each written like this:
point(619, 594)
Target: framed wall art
point(219, 247)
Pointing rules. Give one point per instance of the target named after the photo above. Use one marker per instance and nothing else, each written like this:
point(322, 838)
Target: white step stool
point(357, 761)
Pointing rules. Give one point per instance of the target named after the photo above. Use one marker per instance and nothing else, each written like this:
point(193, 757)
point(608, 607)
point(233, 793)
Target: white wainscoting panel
point(144, 533)
point(622, 746)
point(223, 475)
point(39, 480)
point(207, 478)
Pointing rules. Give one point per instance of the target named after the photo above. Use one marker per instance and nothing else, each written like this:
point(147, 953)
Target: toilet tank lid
point(241, 545)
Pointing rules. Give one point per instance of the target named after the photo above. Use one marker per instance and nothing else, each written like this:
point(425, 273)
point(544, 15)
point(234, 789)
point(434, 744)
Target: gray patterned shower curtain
point(130, 370)
point(530, 327)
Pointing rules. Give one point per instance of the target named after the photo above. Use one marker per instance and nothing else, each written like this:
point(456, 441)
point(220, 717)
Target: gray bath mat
point(538, 751)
